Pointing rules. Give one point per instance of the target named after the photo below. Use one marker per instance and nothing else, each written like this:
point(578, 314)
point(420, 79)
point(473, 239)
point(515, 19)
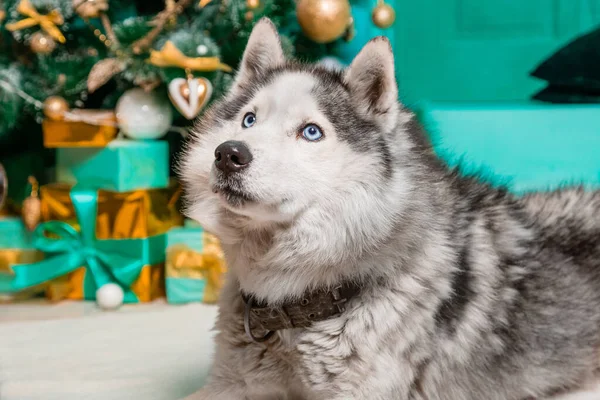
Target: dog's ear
point(372, 82)
point(262, 52)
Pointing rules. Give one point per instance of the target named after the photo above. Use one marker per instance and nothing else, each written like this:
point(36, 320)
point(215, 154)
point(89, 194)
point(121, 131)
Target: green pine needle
point(10, 103)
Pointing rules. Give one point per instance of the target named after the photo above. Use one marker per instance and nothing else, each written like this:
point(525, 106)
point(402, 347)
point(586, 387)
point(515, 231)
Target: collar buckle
point(247, 309)
point(338, 300)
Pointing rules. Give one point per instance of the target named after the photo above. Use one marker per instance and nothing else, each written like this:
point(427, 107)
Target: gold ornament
point(323, 21)
point(249, 16)
point(383, 15)
point(90, 8)
point(46, 22)
point(103, 71)
point(169, 8)
point(171, 56)
point(190, 95)
point(3, 186)
point(41, 43)
point(203, 3)
point(252, 4)
point(32, 206)
point(55, 108)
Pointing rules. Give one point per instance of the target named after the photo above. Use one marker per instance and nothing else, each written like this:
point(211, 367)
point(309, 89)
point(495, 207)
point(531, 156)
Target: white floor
point(73, 351)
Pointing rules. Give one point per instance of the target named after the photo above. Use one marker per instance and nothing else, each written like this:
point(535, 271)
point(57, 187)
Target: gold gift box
point(121, 215)
point(74, 131)
point(10, 257)
point(183, 262)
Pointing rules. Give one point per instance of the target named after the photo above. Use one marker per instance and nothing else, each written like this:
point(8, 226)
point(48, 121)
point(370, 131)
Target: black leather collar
point(314, 306)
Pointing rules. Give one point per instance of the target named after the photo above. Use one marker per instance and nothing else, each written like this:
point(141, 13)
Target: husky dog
point(417, 283)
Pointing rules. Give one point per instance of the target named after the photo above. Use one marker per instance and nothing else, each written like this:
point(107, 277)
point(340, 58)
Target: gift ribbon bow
point(109, 260)
point(46, 22)
point(171, 56)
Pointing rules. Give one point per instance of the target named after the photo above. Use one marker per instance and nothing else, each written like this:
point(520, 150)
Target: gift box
point(195, 265)
point(120, 215)
point(81, 128)
point(122, 165)
point(95, 237)
point(16, 248)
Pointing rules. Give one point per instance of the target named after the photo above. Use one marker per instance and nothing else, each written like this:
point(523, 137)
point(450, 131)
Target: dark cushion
point(572, 72)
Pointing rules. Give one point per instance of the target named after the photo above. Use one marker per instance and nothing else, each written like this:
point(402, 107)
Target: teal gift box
point(194, 265)
point(14, 235)
point(67, 249)
point(16, 247)
point(123, 165)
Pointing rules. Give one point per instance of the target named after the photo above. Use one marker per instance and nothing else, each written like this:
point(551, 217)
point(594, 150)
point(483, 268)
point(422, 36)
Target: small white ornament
point(202, 49)
point(143, 115)
point(190, 95)
point(110, 296)
point(332, 63)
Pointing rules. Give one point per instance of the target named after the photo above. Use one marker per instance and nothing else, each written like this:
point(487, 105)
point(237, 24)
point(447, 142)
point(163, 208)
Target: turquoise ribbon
point(111, 260)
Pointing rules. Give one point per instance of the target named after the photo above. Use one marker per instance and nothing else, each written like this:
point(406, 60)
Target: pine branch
point(110, 33)
point(161, 20)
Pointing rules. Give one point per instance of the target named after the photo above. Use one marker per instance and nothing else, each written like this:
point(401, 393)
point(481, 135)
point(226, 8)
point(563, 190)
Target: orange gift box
point(74, 131)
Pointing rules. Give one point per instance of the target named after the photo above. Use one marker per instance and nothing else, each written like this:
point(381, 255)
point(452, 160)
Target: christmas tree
point(59, 55)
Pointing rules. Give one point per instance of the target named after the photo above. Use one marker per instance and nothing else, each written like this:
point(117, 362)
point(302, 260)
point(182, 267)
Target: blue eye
point(312, 132)
point(249, 120)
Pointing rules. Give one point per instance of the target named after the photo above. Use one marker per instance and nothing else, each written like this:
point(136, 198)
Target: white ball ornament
point(110, 296)
point(202, 49)
point(143, 115)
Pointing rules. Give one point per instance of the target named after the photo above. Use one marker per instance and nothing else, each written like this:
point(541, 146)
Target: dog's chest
point(369, 344)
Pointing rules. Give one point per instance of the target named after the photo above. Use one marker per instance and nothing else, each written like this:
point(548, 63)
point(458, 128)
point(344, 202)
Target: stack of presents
point(113, 216)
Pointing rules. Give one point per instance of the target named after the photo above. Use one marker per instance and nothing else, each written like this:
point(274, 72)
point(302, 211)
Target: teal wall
point(473, 50)
point(463, 66)
point(364, 28)
point(481, 50)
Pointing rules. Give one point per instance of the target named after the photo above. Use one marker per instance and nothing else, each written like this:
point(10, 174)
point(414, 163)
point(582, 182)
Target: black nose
point(232, 156)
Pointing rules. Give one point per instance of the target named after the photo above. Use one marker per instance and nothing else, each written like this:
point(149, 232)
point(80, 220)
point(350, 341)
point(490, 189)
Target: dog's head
point(290, 139)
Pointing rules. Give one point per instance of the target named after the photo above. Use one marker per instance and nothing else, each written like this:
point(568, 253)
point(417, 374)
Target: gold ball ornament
point(253, 4)
point(323, 21)
point(90, 8)
point(41, 43)
point(383, 15)
point(55, 108)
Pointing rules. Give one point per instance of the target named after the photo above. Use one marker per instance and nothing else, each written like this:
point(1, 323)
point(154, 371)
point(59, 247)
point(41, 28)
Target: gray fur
point(467, 291)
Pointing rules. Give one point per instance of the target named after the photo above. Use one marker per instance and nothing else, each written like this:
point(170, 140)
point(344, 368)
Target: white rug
point(73, 351)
